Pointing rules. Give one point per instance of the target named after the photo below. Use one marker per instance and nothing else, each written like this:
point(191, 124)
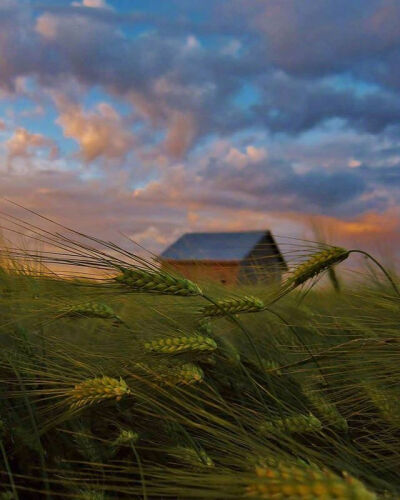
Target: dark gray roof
point(214, 246)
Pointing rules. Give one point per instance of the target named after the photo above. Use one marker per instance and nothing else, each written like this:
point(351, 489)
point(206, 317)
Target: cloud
point(103, 209)
point(248, 178)
point(292, 106)
point(93, 4)
point(24, 144)
point(102, 133)
point(251, 155)
point(180, 135)
point(150, 236)
point(324, 37)
point(47, 26)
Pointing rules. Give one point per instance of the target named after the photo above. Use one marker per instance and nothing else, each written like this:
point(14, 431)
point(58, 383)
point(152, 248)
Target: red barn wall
point(221, 272)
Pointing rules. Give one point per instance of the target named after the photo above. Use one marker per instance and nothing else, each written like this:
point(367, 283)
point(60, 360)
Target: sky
point(149, 118)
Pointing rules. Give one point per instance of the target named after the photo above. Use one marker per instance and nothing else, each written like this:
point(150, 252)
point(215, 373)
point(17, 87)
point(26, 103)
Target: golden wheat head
point(97, 389)
point(292, 482)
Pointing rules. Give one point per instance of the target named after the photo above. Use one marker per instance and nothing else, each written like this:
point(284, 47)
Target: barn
point(227, 257)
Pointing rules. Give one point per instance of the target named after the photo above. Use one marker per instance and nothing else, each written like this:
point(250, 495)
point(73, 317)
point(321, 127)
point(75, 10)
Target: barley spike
point(126, 438)
point(301, 483)
point(325, 408)
point(91, 495)
point(385, 401)
point(271, 367)
point(181, 374)
point(204, 327)
point(141, 280)
point(89, 310)
point(192, 457)
point(97, 389)
point(317, 263)
point(225, 307)
point(175, 345)
point(295, 424)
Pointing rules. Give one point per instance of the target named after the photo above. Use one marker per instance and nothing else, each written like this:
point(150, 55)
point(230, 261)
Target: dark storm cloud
point(275, 183)
point(294, 106)
point(329, 36)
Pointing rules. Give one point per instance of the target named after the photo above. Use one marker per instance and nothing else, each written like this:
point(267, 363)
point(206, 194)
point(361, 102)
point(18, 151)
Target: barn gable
point(226, 256)
point(224, 246)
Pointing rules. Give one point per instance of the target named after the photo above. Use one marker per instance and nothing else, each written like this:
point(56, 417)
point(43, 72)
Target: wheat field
point(118, 380)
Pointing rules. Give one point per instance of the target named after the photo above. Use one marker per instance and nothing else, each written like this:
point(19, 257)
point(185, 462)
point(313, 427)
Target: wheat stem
point(377, 263)
point(8, 469)
point(35, 430)
point(249, 338)
point(293, 330)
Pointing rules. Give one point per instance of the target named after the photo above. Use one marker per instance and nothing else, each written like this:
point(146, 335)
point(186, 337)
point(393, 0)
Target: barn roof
point(216, 246)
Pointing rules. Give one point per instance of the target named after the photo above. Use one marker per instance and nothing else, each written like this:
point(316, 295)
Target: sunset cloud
point(46, 26)
point(24, 144)
point(93, 4)
point(180, 135)
point(100, 133)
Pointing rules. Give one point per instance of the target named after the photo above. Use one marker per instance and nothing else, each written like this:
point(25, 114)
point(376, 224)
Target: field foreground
point(148, 386)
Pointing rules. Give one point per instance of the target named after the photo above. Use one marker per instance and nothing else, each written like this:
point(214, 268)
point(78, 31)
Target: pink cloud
point(47, 26)
point(93, 4)
point(100, 133)
point(181, 133)
point(24, 144)
point(251, 154)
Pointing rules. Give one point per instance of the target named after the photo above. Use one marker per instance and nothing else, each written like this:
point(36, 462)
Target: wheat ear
point(91, 494)
point(181, 374)
point(325, 408)
point(175, 345)
point(295, 424)
point(192, 457)
point(231, 306)
point(144, 281)
point(292, 482)
point(14, 493)
point(89, 310)
point(204, 327)
point(126, 437)
point(97, 389)
point(385, 401)
point(271, 367)
point(317, 263)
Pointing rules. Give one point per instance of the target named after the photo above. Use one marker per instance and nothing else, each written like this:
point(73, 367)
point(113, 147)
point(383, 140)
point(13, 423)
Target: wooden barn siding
point(262, 264)
point(223, 272)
